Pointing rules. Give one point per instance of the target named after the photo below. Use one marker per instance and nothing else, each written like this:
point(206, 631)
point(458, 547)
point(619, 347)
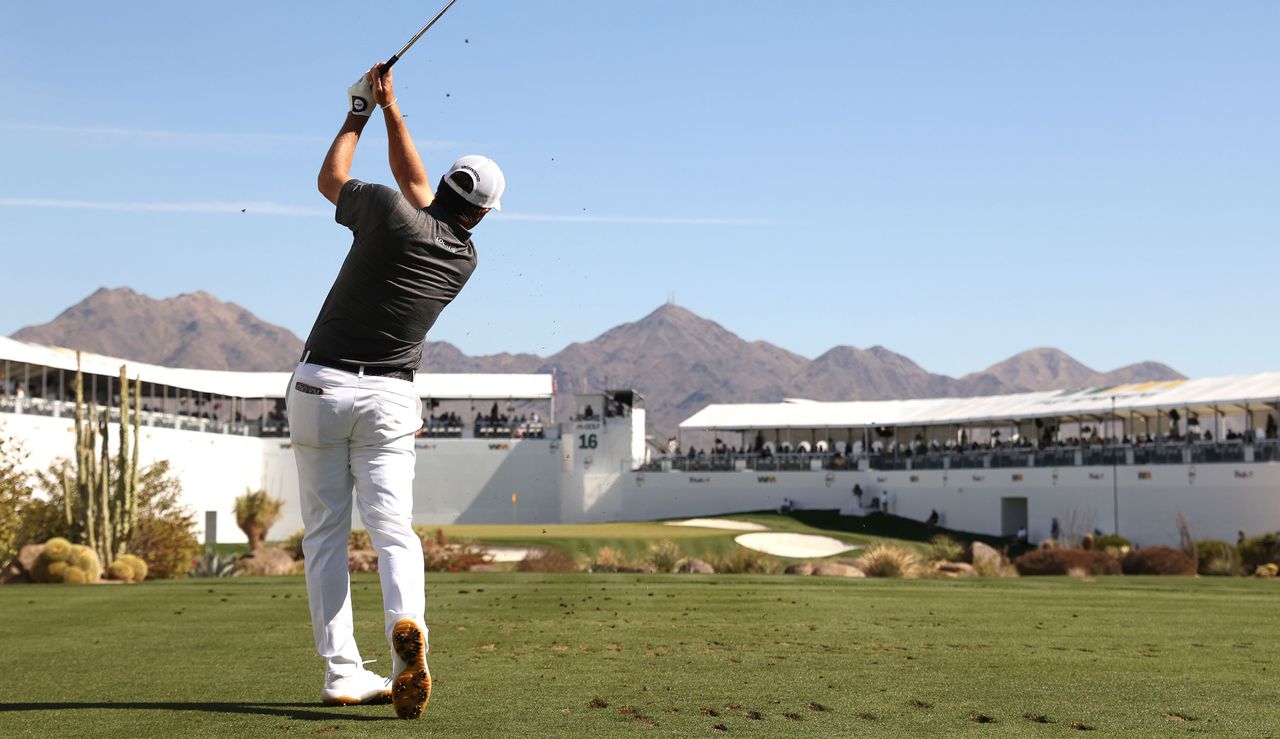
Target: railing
point(1097, 455)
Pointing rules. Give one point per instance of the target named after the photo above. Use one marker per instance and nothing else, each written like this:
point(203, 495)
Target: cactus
point(95, 514)
point(74, 576)
point(55, 570)
point(128, 568)
point(57, 549)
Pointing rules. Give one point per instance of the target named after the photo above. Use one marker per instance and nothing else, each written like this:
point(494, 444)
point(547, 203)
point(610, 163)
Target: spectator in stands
point(932, 520)
point(884, 501)
point(588, 412)
point(857, 494)
point(1271, 426)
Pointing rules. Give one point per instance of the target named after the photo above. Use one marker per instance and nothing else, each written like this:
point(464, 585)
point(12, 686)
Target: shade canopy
point(268, 384)
point(1224, 394)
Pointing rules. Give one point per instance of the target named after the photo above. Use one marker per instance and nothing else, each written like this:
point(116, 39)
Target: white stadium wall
point(213, 468)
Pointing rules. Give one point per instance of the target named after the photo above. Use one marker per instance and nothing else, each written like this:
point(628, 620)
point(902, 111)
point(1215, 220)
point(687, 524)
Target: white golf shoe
point(358, 688)
point(410, 678)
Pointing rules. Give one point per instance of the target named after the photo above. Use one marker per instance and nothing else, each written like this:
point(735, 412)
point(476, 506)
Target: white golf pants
point(353, 431)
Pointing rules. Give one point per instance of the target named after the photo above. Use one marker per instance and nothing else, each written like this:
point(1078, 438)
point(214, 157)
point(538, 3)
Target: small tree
point(16, 495)
point(256, 513)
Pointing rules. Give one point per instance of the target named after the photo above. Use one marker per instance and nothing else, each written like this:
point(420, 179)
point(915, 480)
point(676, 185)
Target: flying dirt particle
point(243, 210)
point(447, 95)
point(466, 40)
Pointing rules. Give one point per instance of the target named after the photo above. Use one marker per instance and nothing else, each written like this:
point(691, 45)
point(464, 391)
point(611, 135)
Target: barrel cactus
point(57, 549)
point(62, 561)
point(128, 568)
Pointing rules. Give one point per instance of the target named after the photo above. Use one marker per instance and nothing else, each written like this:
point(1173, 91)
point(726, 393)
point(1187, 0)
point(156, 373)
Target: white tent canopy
point(1225, 394)
point(268, 384)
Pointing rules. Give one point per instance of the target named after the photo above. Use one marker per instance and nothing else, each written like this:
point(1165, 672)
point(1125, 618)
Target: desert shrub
point(256, 512)
point(888, 560)
point(214, 565)
point(943, 548)
point(293, 545)
point(1217, 558)
point(165, 536)
point(1066, 561)
point(1157, 561)
point(453, 557)
point(665, 555)
point(1113, 544)
point(747, 562)
point(1257, 551)
point(359, 540)
point(547, 560)
point(16, 495)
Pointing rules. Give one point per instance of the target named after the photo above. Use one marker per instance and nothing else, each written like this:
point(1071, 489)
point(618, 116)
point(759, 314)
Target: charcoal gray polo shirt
point(405, 265)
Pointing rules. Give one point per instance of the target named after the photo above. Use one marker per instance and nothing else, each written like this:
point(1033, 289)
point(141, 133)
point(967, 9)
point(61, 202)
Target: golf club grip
point(388, 64)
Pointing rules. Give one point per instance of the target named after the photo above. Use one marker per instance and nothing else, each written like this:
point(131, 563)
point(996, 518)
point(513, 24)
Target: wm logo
point(766, 479)
point(499, 447)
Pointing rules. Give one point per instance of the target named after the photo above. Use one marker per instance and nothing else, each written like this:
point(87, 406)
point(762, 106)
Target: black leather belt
point(371, 370)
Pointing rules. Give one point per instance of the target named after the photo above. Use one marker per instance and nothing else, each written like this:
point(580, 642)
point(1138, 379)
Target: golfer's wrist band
point(393, 102)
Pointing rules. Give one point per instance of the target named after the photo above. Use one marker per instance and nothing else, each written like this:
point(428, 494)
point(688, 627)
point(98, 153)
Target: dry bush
point(256, 512)
point(887, 560)
point(665, 555)
point(1157, 561)
point(1217, 558)
point(293, 545)
point(995, 568)
point(359, 540)
point(1064, 561)
point(1257, 551)
point(943, 548)
point(747, 562)
point(547, 560)
point(165, 536)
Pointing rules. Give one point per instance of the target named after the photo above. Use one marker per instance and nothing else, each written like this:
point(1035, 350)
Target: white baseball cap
point(489, 181)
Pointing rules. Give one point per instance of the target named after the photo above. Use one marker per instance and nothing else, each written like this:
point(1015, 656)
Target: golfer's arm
point(336, 169)
point(406, 166)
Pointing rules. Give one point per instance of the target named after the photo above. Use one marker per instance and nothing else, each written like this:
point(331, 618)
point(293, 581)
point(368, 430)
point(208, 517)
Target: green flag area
point(593, 655)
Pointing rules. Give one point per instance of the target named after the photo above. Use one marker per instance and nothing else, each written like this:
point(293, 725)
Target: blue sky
point(957, 181)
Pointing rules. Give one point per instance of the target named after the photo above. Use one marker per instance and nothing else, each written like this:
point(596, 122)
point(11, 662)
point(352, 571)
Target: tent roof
point(269, 384)
point(1201, 396)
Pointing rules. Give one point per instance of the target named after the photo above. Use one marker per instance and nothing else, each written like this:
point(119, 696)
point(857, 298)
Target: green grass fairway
point(661, 655)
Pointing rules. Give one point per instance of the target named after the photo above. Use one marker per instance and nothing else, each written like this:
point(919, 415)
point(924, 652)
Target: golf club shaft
point(396, 56)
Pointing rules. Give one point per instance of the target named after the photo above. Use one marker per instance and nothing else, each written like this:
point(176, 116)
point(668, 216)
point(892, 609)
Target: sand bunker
point(720, 523)
point(508, 554)
point(799, 546)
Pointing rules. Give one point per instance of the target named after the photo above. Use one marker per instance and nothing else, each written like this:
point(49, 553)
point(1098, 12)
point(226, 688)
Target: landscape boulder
point(273, 561)
point(954, 569)
point(27, 556)
point(800, 568)
point(983, 555)
point(835, 569)
point(696, 566)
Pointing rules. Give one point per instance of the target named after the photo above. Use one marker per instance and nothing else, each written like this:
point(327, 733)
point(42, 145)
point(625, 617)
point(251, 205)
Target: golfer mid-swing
point(352, 406)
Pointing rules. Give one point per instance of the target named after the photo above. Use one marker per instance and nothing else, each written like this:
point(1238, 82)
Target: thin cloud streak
point(632, 220)
point(277, 209)
point(193, 138)
point(273, 209)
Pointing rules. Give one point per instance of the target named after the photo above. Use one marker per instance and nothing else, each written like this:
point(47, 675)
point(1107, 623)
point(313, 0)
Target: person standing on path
point(352, 407)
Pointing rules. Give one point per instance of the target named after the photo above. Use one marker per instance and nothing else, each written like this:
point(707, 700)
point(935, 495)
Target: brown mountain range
point(678, 360)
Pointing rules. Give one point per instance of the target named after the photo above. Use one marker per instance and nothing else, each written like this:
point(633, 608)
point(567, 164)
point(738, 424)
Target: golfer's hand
point(381, 84)
point(360, 97)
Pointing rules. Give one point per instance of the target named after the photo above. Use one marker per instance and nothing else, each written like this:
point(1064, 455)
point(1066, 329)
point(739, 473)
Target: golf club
point(396, 56)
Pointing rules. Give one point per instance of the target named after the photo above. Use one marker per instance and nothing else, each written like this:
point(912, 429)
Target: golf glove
point(361, 96)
